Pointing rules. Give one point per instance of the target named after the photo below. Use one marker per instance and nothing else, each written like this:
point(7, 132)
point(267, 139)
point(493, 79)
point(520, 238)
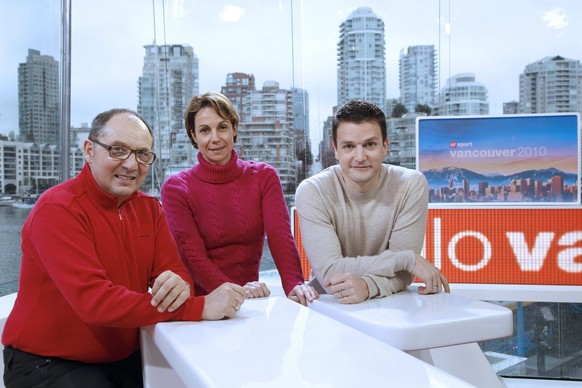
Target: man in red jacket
point(98, 262)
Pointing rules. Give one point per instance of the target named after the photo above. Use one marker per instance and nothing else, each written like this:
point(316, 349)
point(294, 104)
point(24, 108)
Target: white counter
point(410, 321)
point(441, 329)
point(274, 342)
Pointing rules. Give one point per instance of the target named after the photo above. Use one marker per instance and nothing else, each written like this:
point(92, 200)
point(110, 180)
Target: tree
point(328, 157)
point(423, 108)
point(399, 110)
point(306, 158)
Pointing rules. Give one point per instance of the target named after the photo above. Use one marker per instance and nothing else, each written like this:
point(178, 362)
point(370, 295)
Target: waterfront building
point(417, 76)
point(170, 79)
point(361, 58)
point(552, 84)
point(31, 168)
point(267, 133)
point(39, 98)
point(463, 96)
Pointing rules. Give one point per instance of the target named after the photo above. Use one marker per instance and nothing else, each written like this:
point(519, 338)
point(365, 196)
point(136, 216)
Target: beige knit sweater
point(372, 235)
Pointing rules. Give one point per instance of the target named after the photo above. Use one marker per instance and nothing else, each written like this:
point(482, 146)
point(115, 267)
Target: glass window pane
point(286, 65)
point(29, 118)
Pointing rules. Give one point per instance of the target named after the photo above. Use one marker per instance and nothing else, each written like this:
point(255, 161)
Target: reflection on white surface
point(410, 321)
point(274, 342)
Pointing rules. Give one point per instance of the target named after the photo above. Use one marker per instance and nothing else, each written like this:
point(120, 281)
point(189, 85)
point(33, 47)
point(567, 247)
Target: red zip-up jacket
point(85, 273)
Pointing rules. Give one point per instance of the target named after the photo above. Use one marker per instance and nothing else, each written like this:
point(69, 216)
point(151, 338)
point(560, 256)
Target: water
point(11, 221)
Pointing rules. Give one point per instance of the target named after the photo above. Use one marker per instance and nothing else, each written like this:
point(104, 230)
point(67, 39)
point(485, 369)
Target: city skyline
point(539, 187)
point(105, 71)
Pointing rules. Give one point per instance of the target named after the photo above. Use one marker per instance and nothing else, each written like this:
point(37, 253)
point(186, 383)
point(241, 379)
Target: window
point(295, 44)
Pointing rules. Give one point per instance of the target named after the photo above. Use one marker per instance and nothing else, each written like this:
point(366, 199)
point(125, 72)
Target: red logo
point(452, 144)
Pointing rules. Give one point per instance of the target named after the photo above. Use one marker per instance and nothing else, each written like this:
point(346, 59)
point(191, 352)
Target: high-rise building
point(170, 79)
point(238, 85)
point(301, 118)
point(557, 188)
point(463, 96)
point(326, 149)
point(39, 99)
point(402, 141)
point(301, 129)
point(361, 58)
point(417, 76)
point(552, 84)
point(267, 134)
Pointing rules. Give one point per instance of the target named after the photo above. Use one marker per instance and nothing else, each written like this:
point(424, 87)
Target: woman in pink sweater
point(220, 209)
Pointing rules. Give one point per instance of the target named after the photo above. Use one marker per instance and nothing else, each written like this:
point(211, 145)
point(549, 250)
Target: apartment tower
point(267, 134)
point(417, 77)
point(170, 79)
point(361, 58)
point(238, 85)
point(550, 85)
point(39, 99)
point(463, 96)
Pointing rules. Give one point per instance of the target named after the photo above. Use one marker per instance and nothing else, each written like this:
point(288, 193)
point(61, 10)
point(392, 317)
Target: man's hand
point(303, 293)
point(348, 289)
point(169, 292)
point(434, 280)
point(223, 302)
point(256, 290)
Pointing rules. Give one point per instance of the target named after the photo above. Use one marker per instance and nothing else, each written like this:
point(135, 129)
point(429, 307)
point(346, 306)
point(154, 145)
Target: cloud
point(556, 18)
point(178, 7)
point(232, 13)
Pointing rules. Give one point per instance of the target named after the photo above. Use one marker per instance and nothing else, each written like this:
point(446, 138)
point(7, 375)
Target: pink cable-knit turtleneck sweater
point(219, 216)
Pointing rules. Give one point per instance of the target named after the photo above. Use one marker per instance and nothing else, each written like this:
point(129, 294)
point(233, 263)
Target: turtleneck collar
point(213, 173)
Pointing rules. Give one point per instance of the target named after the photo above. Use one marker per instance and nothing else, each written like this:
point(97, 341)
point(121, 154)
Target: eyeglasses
point(122, 153)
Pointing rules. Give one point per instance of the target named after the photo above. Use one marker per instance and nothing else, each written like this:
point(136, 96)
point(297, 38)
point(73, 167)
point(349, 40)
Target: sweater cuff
point(194, 308)
point(410, 261)
point(372, 287)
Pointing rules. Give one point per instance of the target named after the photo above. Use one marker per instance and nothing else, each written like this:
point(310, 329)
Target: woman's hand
point(223, 302)
point(302, 293)
point(256, 290)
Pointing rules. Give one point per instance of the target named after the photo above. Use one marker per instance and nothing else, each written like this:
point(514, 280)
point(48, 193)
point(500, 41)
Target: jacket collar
point(106, 200)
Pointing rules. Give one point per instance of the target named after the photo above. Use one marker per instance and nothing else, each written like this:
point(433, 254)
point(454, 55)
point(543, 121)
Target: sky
point(494, 39)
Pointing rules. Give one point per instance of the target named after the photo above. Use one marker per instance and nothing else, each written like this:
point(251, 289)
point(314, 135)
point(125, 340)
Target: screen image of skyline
point(500, 159)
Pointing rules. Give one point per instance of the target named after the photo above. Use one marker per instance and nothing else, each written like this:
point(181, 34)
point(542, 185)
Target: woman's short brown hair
point(217, 101)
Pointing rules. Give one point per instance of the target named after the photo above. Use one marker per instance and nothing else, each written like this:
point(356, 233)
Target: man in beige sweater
point(363, 222)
